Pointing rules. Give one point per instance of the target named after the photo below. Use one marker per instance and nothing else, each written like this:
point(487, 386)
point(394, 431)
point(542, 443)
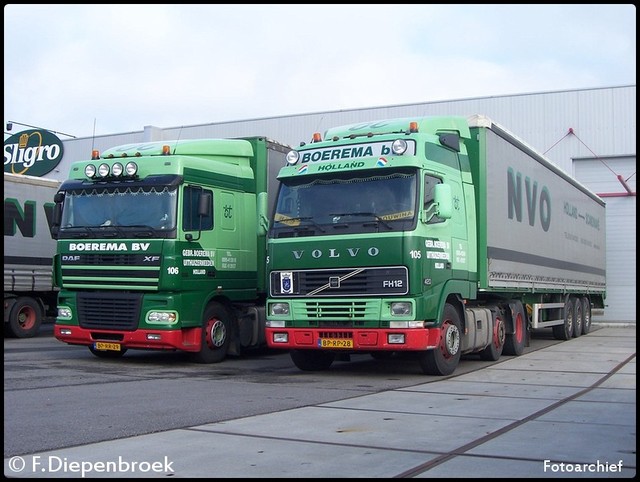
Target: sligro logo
point(34, 152)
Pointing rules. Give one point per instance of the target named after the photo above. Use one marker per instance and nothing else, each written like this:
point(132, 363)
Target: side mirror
point(56, 215)
point(443, 200)
point(203, 204)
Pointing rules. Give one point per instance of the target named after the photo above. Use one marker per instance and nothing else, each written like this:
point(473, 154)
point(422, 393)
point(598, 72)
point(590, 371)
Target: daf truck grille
point(111, 271)
point(375, 281)
point(109, 311)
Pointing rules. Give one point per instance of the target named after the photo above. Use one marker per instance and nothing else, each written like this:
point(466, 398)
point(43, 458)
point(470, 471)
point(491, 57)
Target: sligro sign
point(35, 152)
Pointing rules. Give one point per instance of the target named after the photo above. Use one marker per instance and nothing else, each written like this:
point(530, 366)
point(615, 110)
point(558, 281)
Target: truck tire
point(495, 348)
point(216, 335)
point(586, 313)
point(312, 360)
point(515, 342)
point(444, 359)
point(25, 318)
point(565, 331)
point(578, 320)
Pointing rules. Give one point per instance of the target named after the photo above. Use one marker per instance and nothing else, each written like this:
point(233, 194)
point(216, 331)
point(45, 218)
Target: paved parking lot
point(568, 410)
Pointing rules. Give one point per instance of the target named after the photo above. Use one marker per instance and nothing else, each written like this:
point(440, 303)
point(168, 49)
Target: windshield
point(149, 209)
point(352, 203)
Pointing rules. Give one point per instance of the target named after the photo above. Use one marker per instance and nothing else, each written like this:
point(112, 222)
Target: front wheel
point(216, 335)
point(312, 360)
point(444, 359)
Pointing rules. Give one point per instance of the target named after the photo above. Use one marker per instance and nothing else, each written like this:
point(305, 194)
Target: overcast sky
point(106, 69)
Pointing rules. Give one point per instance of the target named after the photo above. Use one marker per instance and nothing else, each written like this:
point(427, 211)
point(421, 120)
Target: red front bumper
point(363, 339)
point(187, 339)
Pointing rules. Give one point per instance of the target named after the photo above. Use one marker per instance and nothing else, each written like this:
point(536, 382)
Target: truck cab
point(369, 230)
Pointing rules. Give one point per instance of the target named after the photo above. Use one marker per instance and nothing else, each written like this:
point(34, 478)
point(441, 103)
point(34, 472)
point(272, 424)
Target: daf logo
point(336, 253)
point(151, 259)
point(70, 257)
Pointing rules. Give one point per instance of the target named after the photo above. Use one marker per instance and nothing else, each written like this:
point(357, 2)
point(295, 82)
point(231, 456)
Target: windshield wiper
point(114, 227)
point(86, 231)
point(365, 213)
point(146, 231)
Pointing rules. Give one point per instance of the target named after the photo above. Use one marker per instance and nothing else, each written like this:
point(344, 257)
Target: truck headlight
point(103, 170)
point(131, 168)
point(64, 313)
point(275, 323)
point(281, 337)
point(90, 171)
point(117, 169)
point(292, 157)
point(395, 338)
point(278, 309)
point(399, 146)
point(162, 317)
point(401, 308)
point(401, 325)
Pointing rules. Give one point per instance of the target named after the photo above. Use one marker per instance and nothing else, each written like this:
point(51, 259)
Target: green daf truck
point(439, 236)
point(162, 246)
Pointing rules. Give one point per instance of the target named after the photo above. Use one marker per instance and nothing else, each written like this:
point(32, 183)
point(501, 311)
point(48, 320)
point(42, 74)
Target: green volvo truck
point(440, 236)
point(162, 246)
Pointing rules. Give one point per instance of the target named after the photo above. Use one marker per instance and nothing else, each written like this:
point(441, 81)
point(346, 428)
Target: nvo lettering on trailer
point(23, 218)
point(515, 199)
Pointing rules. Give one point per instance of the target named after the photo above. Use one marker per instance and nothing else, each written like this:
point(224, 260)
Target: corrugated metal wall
point(599, 175)
point(603, 122)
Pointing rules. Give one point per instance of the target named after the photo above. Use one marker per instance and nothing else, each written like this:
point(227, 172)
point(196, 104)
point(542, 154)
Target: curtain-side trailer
point(29, 293)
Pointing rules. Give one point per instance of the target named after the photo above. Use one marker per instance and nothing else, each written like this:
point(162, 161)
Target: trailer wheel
point(565, 331)
point(494, 350)
point(25, 318)
point(216, 335)
point(444, 359)
point(515, 342)
point(107, 353)
point(586, 314)
point(312, 360)
point(578, 320)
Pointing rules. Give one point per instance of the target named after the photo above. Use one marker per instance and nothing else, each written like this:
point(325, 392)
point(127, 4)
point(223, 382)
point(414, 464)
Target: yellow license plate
point(338, 343)
point(100, 345)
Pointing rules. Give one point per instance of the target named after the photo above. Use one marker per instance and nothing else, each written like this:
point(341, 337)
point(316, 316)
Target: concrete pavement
point(565, 411)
